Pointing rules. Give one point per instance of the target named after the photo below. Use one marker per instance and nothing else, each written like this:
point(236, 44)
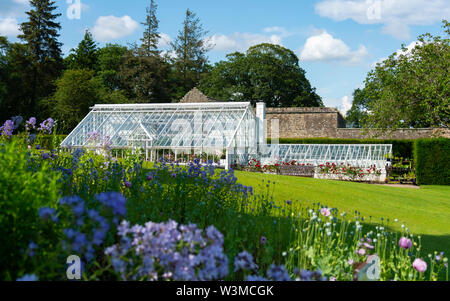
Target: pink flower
point(350, 261)
point(420, 265)
point(332, 278)
point(361, 252)
point(405, 243)
point(325, 212)
point(368, 246)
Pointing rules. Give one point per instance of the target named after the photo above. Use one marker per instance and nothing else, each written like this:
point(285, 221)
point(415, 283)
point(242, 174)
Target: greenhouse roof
point(173, 125)
point(316, 154)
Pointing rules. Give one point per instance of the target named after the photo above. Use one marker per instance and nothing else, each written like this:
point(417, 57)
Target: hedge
point(431, 157)
point(400, 148)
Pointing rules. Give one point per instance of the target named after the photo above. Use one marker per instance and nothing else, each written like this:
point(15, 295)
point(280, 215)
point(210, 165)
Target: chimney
point(261, 124)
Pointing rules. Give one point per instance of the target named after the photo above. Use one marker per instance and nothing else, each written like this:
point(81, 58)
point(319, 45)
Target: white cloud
point(9, 27)
point(346, 104)
point(109, 28)
point(395, 15)
point(399, 52)
point(242, 41)
point(164, 40)
point(324, 47)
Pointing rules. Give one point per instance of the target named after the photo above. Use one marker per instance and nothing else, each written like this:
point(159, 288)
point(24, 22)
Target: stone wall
point(304, 122)
point(328, 122)
point(398, 134)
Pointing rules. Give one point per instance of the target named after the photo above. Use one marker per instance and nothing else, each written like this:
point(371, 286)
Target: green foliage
point(151, 36)
point(78, 90)
point(431, 157)
point(144, 77)
point(110, 60)
point(26, 185)
point(49, 142)
point(410, 88)
point(15, 68)
point(190, 49)
point(266, 72)
point(85, 56)
point(355, 116)
point(40, 34)
point(400, 148)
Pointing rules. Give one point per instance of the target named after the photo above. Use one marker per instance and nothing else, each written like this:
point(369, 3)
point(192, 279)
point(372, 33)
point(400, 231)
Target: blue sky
point(337, 41)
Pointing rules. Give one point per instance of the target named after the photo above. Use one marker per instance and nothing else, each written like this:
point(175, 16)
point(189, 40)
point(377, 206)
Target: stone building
point(320, 123)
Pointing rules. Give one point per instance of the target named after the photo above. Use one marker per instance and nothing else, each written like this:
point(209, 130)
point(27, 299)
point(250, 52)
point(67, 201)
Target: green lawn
point(425, 211)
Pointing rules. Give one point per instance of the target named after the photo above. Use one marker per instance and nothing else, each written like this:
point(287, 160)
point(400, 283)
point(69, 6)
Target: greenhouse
point(169, 130)
point(224, 132)
point(364, 155)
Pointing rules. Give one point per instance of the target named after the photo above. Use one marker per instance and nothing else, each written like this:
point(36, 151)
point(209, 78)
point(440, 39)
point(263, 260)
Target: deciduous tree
point(266, 72)
point(411, 88)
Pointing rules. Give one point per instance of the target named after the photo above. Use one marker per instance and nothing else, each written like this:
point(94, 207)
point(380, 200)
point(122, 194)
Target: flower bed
point(176, 222)
point(333, 171)
point(292, 168)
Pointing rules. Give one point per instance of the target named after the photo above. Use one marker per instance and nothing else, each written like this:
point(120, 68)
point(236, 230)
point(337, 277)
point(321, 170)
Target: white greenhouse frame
point(362, 155)
point(214, 128)
point(179, 128)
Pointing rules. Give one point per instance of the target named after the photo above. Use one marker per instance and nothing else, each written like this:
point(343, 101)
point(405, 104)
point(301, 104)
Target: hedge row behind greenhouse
point(431, 157)
point(400, 148)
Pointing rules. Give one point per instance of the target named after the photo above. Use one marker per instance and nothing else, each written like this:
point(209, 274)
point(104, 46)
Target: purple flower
point(289, 202)
point(244, 262)
point(38, 147)
point(17, 120)
point(7, 129)
point(278, 273)
point(45, 156)
point(115, 201)
point(47, 125)
point(30, 124)
point(263, 240)
point(47, 213)
point(28, 277)
point(127, 183)
point(255, 278)
point(420, 265)
point(168, 251)
point(405, 243)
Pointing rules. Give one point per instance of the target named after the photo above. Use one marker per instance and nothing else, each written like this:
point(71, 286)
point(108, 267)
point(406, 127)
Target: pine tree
point(85, 56)
point(151, 35)
point(190, 49)
point(40, 34)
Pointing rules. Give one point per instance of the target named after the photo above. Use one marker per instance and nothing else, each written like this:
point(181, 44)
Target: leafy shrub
point(49, 142)
point(431, 157)
point(27, 183)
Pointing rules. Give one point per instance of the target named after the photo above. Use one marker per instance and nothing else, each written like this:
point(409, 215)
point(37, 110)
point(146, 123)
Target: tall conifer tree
point(151, 36)
point(190, 49)
point(40, 34)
